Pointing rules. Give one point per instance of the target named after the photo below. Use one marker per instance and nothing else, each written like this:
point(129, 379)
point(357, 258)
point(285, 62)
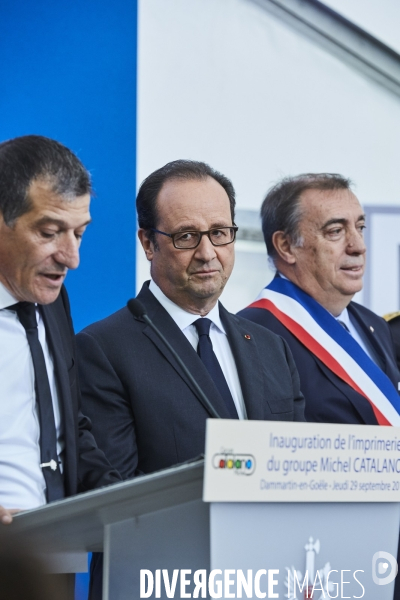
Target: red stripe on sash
point(318, 350)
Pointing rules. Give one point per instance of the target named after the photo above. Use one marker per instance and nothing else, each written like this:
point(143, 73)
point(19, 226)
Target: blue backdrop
point(68, 71)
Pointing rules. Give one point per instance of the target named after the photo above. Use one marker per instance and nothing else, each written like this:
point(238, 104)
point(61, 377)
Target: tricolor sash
point(319, 331)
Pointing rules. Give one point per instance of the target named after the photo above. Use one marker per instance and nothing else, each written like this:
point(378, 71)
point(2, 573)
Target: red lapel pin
point(247, 336)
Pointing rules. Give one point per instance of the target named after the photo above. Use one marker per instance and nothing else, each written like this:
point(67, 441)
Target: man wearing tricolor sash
point(313, 228)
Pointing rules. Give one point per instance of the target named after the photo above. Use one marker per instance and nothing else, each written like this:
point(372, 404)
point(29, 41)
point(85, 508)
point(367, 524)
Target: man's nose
point(356, 242)
point(205, 251)
point(68, 252)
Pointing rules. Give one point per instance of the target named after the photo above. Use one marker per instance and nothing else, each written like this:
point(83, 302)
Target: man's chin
point(208, 290)
point(351, 283)
point(350, 291)
point(47, 295)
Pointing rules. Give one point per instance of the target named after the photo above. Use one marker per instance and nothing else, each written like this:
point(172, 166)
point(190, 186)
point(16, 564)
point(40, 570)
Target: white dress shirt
point(22, 484)
point(218, 337)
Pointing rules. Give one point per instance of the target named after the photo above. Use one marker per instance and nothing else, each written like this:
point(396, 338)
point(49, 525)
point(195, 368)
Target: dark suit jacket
point(145, 414)
point(328, 398)
point(394, 326)
point(85, 466)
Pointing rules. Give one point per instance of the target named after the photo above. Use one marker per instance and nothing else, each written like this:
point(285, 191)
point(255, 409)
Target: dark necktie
point(207, 355)
point(343, 324)
point(26, 312)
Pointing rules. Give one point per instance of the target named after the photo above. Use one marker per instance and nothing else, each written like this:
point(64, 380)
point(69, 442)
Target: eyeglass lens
point(218, 237)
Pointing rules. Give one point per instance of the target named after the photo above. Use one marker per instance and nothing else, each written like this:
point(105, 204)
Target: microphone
point(138, 310)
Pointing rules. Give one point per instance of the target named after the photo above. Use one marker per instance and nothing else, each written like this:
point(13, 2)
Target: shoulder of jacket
point(391, 316)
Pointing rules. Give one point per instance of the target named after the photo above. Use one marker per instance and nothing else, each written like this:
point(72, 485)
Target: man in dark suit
point(313, 228)
point(145, 413)
point(47, 449)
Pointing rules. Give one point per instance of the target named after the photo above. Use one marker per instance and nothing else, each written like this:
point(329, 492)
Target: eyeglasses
point(187, 240)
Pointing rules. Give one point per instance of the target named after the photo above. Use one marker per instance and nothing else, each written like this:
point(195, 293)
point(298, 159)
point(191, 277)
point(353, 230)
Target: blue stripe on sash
point(340, 335)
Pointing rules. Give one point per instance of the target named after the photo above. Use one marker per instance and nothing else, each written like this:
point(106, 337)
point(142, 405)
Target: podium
point(159, 525)
point(139, 524)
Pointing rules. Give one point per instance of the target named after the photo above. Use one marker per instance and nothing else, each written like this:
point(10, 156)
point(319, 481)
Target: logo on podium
point(241, 464)
point(315, 583)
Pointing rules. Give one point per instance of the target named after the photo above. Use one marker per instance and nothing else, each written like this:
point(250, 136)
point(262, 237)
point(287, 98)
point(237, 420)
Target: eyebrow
point(193, 228)
point(341, 221)
point(59, 222)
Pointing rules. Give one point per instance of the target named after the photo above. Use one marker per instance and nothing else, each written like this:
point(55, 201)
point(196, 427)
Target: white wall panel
point(225, 82)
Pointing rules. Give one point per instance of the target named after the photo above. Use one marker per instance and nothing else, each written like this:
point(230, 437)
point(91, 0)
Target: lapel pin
point(247, 336)
point(371, 328)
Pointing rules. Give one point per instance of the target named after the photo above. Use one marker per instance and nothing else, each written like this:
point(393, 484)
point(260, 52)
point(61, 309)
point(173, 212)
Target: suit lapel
point(55, 342)
point(372, 337)
point(248, 364)
point(182, 347)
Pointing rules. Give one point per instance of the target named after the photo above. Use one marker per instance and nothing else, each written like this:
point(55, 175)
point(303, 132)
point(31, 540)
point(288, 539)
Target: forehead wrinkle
point(315, 200)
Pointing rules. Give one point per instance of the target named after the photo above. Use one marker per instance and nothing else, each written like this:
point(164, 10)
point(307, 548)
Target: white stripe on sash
point(300, 315)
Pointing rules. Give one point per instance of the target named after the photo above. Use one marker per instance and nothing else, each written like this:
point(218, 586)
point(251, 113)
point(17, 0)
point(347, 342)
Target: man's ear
point(283, 247)
point(147, 244)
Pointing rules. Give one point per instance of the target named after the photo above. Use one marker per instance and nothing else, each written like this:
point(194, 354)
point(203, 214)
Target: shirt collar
point(181, 317)
point(344, 318)
point(6, 299)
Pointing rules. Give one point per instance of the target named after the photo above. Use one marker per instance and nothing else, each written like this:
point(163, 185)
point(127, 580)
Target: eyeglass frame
point(172, 236)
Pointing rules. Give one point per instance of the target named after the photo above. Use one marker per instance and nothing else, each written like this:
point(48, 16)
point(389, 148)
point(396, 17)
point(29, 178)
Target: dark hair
point(281, 211)
point(146, 201)
point(31, 157)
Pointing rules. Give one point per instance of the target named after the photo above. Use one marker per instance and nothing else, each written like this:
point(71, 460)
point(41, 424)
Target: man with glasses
point(146, 414)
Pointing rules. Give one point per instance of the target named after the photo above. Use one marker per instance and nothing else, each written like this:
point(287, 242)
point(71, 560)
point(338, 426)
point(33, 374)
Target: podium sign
point(274, 461)
point(304, 510)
